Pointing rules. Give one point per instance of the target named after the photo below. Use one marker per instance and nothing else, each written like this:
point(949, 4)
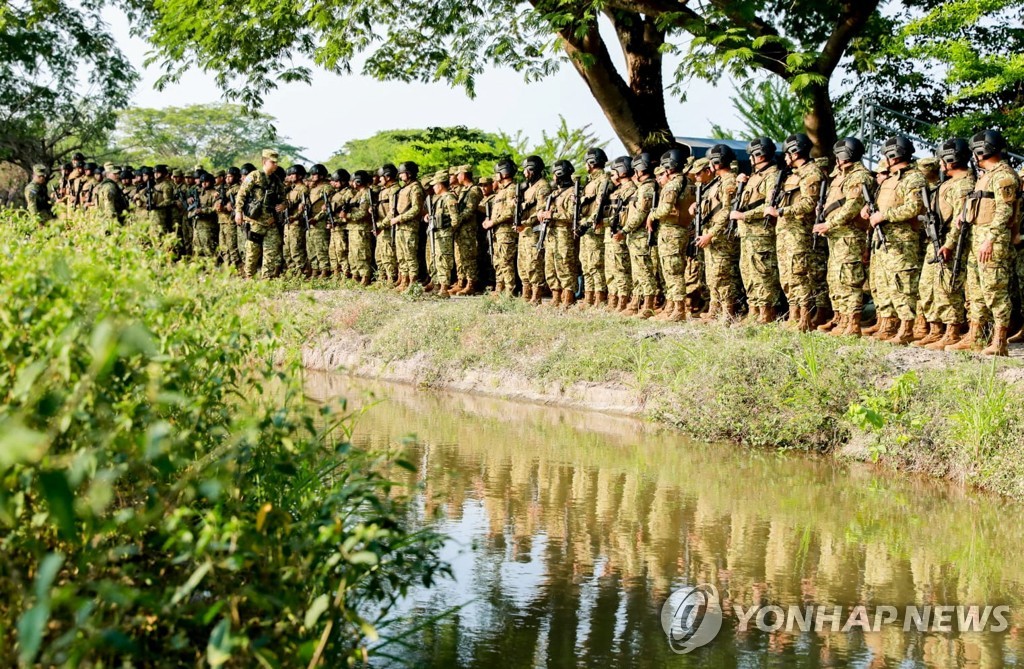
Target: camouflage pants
point(759, 270)
point(229, 240)
point(560, 258)
point(337, 250)
point(506, 239)
point(672, 243)
point(696, 283)
point(387, 261)
point(939, 301)
point(466, 253)
point(617, 270)
point(530, 260)
point(206, 237)
point(819, 273)
point(901, 271)
point(793, 246)
point(846, 273)
point(641, 264)
point(592, 261)
point(441, 256)
point(184, 229)
point(157, 221)
point(406, 248)
point(360, 238)
point(318, 243)
point(240, 241)
point(722, 267)
point(988, 286)
point(267, 252)
point(295, 248)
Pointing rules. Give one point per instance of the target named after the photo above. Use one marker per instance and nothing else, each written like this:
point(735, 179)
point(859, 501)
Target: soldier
point(317, 236)
point(617, 268)
point(559, 244)
point(243, 233)
point(408, 213)
point(505, 237)
point(595, 203)
point(204, 218)
point(108, 198)
point(444, 213)
point(75, 183)
point(467, 228)
point(941, 301)
point(990, 214)
point(387, 259)
point(675, 230)
point(297, 198)
point(793, 230)
point(759, 265)
point(86, 185)
point(530, 259)
point(337, 250)
point(721, 250)
point(163, 203)
point(359, 226)
point(36, 198)
point(898, 210)
point(260, 203)
point(180, 223)
point(635, 232)
point(227, 190)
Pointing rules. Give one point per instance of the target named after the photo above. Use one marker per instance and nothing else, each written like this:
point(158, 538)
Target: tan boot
point(711, 314)
point(600, 298)
point(1000, 344)
point(887, 328)
point(527, 292)
point(731, 315)
point(442, 292)
point(852, 328)
point(499, 287)
point(648, 308)
point(556, 298)
point(921, 329)
point(822, 316)
point(429, 288)
point(766, 315)
point(805, 324)
point(666, 313)
point(632, 307)
point(903, 336)
point(469, 289)
point(793, 321)
point(678, 313)
point(535, 298)
point(872, 329)
point(613, 302)
point(588, 299)
point(969, 341)
point(366, 280)
point(839, 327)
point(568, 299)
point(935, 332)
point(624, 302)
point(1017, 338)
point(831, 325)
point(951, 337)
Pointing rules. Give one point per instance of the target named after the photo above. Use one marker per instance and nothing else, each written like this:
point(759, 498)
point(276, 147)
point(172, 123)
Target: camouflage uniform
point(645, 284)
point(182, 228)
point(110, 201)
point(205, 221)
point(337, 245)
point(990, 214)
point(592, 244)
point(759, 263)
point(722, 256)
point(228, 230)
point(411, 209)
point(530, 261)
point(847, 239)
point(616, 254)
point(317, 236)
point(360, 234)
point(793, 232)
point(294, 229)
point(37, 200)
point(440, 243)
point(505, 237)
point(161, 218)
point(560, 271)
point(675, 230)
point(899, 200)
point(387, 260)
point(264, 243)
point(940, 300)
point(466, 226)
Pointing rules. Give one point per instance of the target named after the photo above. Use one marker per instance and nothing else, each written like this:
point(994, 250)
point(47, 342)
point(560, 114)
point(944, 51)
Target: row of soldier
point(669, 240)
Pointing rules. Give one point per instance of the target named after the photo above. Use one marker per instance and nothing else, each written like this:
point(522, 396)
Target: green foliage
point(565, 143)
point(214, 135)
point(770, 109)
point(165, 489)
point(981, 416)
point(876, 411)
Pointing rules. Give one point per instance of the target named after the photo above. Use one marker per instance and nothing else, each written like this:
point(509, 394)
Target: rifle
point(776, 197)
point(616, 225)
point(542, 228)
point(698, 223)
point(932, 226)
point(652, 234)
point(577, 229)
point(490, 233)
point(517, 214)
point(877, 231)
point(149, 194)
point(328, 210)
point(819, 211)
point(373, 212)
point(431, 227)
point(78, 192)
point(961, 239)
point(733, 228)
point(307, 210)
point(394, 212)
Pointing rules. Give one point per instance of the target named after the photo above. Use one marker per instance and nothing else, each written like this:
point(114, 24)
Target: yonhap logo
point(691, 617)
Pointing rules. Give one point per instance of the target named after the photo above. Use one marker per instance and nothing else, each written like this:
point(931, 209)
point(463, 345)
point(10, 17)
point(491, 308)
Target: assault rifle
point(490, 233)
point(776, 197)
point(932, 226)
point(819, 211)
point(78, 192)
point(732, 229)
point(307, 210)
point(542, 228)
point(394, 212)
point(577, 230)
point(602, 204)
point(961, 240)
point(328, 210)
point(616, 224)
point(517, 214)
point(372, 211)
point(149, 194)
point(698, 224)
point(431, 228)
point(875, 233)
point(652, 234)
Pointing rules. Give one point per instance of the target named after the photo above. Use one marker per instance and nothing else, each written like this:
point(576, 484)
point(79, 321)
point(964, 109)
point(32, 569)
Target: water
point(570, 530)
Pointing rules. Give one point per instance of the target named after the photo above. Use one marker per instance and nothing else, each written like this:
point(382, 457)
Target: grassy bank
point(958, 416)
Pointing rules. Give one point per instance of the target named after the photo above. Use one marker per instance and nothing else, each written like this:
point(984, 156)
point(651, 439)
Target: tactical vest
point(755, 193)
point(982, 207)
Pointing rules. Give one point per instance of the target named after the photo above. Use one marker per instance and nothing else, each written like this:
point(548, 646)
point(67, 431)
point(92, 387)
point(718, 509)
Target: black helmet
point(762, 147)
point(623, 166)
point(674, 159)
point(721, 155)
point(78, 157)
point(506, 169)
point(389, 171)
point(848, 149)
point(361, 178)
point(198, 174)
point(535, 163)
point(67, 167)
point(91, 167)
point(643, 163)
point(206, 178)
point(297, 170)
point(341, 175)
point(562, 170)
point(127, 174)
point(596, 157)
point(798, 143)
point(318, 170)
point(410, 168)
point(234, 171)
point(248, 168)
point(988, 143)
point(898, 149)
point(955, 152)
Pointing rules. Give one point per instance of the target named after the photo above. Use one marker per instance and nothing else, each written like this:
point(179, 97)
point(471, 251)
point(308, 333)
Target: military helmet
point(643, 163)
point(956, 152)
point(341, 175)
point(721, 155)
point(247, 169)
point(535, 163)
point(506, 169)
point(91, 167)
point(67, 167)
point(596, 157)
point(361, 177)
point(988, 143)
point(389, 171)
point(206, 178)
point(198, 173)
point(127, 173)
point(848, 149)
point(623, 166)
point(78, 157)
point(146, 171)
point(675, 158)
point(410, 168)
point(297, 170)
point(234, 171)
point(562, 170)
point(798, 143)
point(898, 149)
point(318, 170)
point(762, 147)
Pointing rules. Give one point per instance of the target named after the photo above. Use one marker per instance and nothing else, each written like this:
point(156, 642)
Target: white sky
point(334, 109)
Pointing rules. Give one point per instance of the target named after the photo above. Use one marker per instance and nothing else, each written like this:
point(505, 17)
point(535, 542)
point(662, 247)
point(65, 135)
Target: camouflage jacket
point(952, 196)
point(717, 203)
point(674, 202)
point(899, 201)
point(640, 205)
point(469, 200)
point(800, 197)
point(846, 199)
point(535, 197)
point(993, 206)
point(596, 195)
point(411, 203)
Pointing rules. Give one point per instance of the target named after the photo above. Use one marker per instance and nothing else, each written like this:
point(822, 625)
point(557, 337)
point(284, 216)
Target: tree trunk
point(820, 122)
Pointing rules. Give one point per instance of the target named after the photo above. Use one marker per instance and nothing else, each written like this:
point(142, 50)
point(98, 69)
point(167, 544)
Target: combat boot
point(711, 314)
point(805, 324)
point(793, 321)
point(366, 280)
point(840, 325)
point(766, 315)
point(467, 289)
point(442, 292)
point(632, 307)
point(950, 336)
point(624, 302)
point(1000, 344)
point(969, 341)
point(535, 297)
point(887, 329)
point(647, 309)
point(398, 286)
point(527, 293)
point(904, 335)
point(600, 298)
point(588, 299)
point(935, 333)
point(499, 287)
point(678, 314)
point(666, 313)
point(556, 298)
point(853, 325)
point(731, 317)
point(1017, 338)
point(568, 299)
point(921, 329)
point(831, 325)
point(822, 315)
point(429, 288)
point(872, 329)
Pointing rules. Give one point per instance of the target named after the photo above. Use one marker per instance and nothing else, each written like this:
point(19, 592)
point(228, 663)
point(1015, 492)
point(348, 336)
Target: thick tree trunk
point(820, 122)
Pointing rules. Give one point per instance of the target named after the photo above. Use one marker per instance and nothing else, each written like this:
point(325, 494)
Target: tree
point(61, 81)
point(216, 135)
point(566, 143)
point(432, 149)
point(770, 109)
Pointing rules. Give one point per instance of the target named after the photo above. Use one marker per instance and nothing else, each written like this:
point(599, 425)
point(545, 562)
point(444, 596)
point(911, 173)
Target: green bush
point(167, 494)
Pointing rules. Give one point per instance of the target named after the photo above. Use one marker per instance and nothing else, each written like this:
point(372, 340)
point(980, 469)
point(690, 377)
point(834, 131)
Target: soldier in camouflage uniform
point(387, 260)
point(721, 250)
point(468, 199)
point(318, 236)
point(243, 236)
point(297, 198)
point(530, 258)
point(181, 226)
point(440, 234)
point(616, 251)
point(86, 185)
point(108, 198)
point(636, 235)
point(845, 231)
point(675, 230)
point(337, 243)
point(500, 224)
point(899, 208)
point(205, 218)
point(227, 191)
point(560, 269)
point(260, 204)
point(360, 227)
point(759, 265)
point(594, 206)
point(991, 211)
point(160, 214)
point(36, 198)
point(793, 230)
point(409, 213)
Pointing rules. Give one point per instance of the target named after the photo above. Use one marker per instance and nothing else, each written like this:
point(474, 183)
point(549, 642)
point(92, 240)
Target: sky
point(334, 109)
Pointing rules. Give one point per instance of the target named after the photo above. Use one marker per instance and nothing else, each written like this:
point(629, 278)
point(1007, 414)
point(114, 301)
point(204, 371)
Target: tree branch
point(855, 16)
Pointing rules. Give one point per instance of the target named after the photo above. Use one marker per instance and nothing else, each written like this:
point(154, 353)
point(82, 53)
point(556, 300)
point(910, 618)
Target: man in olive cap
point(111, 203)
point(443, 215)
point(36, 198)
point(260, 205)
point(467, 226)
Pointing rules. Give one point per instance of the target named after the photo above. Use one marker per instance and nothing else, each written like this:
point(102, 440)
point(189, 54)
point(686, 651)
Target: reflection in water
point(571, 529)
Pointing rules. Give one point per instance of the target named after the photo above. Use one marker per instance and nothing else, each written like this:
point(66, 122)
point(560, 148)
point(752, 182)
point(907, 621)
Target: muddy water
point(570, 530)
